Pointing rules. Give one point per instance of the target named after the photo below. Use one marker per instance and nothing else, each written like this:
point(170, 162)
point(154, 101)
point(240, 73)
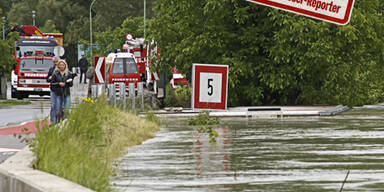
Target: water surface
point(290, 154)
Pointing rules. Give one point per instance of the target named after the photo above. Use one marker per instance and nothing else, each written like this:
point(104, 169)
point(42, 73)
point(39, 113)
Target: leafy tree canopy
point(276, 57)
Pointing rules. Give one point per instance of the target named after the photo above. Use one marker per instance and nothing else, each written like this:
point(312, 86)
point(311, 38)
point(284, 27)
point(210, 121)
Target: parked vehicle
point(132, 63)
point(34, 52)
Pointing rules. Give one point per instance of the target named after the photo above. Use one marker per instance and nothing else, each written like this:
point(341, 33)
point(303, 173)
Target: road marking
point(5, 150)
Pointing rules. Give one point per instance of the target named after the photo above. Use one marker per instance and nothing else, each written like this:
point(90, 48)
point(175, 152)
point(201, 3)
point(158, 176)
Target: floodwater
point(292, 154)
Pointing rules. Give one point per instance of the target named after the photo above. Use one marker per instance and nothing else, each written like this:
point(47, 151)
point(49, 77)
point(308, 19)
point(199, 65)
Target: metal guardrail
point(132, 99)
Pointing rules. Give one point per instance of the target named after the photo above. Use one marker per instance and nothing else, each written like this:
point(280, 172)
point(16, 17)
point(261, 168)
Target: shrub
point(179, 97)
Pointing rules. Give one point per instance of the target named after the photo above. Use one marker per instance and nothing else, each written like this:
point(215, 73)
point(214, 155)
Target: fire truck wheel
point(14, 93)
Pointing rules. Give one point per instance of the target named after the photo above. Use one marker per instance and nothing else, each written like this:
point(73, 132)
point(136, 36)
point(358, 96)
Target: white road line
point(3, 150)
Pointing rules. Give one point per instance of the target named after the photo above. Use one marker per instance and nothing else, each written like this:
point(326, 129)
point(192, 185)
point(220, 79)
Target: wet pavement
point(282, 155)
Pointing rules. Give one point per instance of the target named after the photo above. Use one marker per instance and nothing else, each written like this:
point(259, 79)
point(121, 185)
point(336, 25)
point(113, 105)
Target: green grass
point(13, 102)
point(86, 147)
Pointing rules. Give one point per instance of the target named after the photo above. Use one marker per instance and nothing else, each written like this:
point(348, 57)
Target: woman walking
point(53, 95)
point(61, 83)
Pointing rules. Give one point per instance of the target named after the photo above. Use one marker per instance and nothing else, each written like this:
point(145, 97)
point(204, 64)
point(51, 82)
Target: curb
point(256, 112)
point(334, 111)
point(17, 175)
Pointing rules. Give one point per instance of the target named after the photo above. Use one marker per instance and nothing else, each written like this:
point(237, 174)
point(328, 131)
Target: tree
point(49, 27)
point(276, 57)
point(110, 14)
point(114, 39)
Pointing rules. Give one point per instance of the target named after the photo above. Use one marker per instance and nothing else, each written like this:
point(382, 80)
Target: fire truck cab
point(122, 68)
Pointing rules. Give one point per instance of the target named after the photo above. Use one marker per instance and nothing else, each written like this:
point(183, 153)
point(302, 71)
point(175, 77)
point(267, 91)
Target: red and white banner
point(99, 69)
point(210, 86)
point(334, 11)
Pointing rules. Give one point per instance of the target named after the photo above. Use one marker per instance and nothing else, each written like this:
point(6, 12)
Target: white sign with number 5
point(210, 85)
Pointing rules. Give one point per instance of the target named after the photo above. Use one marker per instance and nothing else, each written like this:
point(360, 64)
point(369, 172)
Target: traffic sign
point(209, 86)
point(129, 37)
point(338, 12)
point(99, 69)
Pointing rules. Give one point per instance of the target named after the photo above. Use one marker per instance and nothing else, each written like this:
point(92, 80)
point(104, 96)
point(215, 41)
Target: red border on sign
point(343, 21)
point(210, 69)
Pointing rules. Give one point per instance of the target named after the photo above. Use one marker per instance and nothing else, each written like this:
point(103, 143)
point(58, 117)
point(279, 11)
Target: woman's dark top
point(56, 79)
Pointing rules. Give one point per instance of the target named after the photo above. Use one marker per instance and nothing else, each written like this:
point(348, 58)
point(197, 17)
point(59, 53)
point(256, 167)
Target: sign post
point(99, 69)
point(209, 86)
point(338, 12)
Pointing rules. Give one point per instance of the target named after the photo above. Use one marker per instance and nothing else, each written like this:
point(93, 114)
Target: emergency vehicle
point(34, 52)
point(131, 64)
point(123, 68)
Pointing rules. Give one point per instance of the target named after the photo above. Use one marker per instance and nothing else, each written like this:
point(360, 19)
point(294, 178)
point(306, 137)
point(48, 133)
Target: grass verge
point(10, 102)
point(86, 146)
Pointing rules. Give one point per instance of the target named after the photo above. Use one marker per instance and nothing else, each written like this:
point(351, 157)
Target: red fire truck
point(33, 55)
point(131, 64)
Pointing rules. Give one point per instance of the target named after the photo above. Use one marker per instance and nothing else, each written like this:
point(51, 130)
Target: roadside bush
point(179, 97)
point(84, 147)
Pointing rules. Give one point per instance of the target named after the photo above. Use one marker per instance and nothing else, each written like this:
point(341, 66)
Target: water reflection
point(212, 157)
point(261, 155)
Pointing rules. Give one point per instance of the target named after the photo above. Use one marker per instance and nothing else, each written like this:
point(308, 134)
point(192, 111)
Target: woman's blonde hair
point(65, 72)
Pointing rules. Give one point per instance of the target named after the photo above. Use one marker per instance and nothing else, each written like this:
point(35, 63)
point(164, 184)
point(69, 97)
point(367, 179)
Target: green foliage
point(179, 97)
point(114, 39)
point(206, 121)
point(203, 118)
point(112, 13)
point(49, 27)
point(7, 52)
point(276, 57)
point(84, 148)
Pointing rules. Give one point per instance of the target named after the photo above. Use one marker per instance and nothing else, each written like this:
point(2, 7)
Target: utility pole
point(90, 30)
point(4, 18)
point(145, 8)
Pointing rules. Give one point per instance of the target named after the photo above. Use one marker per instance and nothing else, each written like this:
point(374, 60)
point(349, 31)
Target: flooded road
point(292, 154)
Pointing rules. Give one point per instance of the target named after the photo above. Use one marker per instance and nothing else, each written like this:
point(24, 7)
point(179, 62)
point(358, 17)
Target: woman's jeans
point(53, 107)
point(61, 102)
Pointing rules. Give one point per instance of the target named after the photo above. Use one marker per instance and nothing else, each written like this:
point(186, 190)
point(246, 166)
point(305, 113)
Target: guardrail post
point(112, 94)
point(94, 91)
point(122, 94)
point(140, 93)
point(100, 89)
point(132, 95)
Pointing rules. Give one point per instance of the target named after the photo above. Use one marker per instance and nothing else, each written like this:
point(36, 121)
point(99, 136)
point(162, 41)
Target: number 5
point(210, 87)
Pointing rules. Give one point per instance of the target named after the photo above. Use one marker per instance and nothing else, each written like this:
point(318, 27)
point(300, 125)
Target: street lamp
point(90, 28)
point(145, 6)
point(4, 20)
point(34, 16)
